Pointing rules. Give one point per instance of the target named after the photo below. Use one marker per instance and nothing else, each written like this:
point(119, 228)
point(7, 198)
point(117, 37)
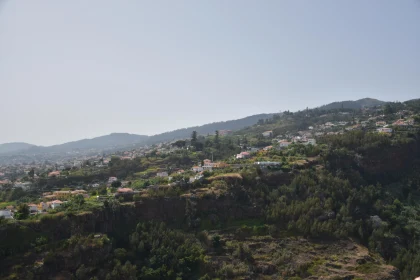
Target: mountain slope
point(101, 142)
point(350, 104)
point(120, 140)
point(208, 128)
point(14, 147)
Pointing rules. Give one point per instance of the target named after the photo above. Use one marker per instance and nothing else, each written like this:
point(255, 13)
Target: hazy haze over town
point(79, 69)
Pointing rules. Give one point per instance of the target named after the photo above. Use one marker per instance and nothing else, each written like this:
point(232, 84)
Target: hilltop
point(123, 140)
point(350, 104)
point(14, 147)
point(117, 141)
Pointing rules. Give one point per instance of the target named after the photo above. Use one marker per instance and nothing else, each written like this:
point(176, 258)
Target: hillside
point(14, 147)
point(350, 104)
point(208, 128)
point(121, 140)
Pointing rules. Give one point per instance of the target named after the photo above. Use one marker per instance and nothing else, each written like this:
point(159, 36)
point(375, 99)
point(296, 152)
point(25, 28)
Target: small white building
point(284, 144)
point(268, 133)
point(384, 130)
point(311, 141)
point(207, 167)
point(24, 185)
point(197, 168)
point(162, 174)
point(7, 214)
point(56, 203)
point(112, 179)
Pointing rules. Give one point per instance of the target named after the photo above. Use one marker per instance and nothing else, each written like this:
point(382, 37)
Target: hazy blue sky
point(79, 69)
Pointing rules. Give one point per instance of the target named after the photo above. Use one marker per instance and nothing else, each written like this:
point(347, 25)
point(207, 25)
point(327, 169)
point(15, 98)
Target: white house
point(197, 168)
point(7, 214)
point(311, 141)
point(268, 133)
point(385, 130)
point(208, 167)
point(56, 203)
point(25, 185)
point(284, 144)
point(243, 155)
point(162, 174)
point(112, 179)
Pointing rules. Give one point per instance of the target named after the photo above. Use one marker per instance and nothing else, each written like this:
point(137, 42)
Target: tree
point(31, 173)
point(193, 138)
point(388, 109)
point(217, 140)
point(116, 184)
point(22, 212)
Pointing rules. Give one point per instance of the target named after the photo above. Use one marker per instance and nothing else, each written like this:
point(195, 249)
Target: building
point(284, 143)
point(243, 155)
point(54, 174)
point(384, 130)
point(33, 208)
point(112, 179)
point(197, 168)
point(207, 167)
point(162, 174)
point(124, 190)
point(225, 132)
point(267, 148)
point(62, 194)
point(267, 163)
point(24, 185)
point(311, 141)
point(268, 133)
point(7, 214)
point(380, 123)
point(55, 204)
point(43, 206)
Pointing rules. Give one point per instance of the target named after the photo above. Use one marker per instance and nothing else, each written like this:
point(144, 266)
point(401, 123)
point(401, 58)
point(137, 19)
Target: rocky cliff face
point(175, 211)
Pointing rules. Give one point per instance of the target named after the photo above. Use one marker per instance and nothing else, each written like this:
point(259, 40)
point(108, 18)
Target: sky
point(79, 69)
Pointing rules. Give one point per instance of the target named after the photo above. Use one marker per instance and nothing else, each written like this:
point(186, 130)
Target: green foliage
point(165, 254)
point(116, 184)
point(22, 212)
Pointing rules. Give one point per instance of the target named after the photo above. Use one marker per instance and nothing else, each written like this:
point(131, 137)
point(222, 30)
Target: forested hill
point(350, 104)
point(122, 140)
point(14, 147)
point(208, 128)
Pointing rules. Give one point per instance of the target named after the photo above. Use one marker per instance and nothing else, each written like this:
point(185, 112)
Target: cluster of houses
point(42, 207)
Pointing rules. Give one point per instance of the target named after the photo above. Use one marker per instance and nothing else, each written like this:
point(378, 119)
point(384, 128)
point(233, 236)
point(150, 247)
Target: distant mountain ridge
point(356, 104)
point(208, 128)
point(125, 139)
point(14, 147)
point(116, 140)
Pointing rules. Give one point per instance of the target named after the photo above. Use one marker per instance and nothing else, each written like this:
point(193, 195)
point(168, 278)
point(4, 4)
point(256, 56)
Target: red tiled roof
point(124, 190)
